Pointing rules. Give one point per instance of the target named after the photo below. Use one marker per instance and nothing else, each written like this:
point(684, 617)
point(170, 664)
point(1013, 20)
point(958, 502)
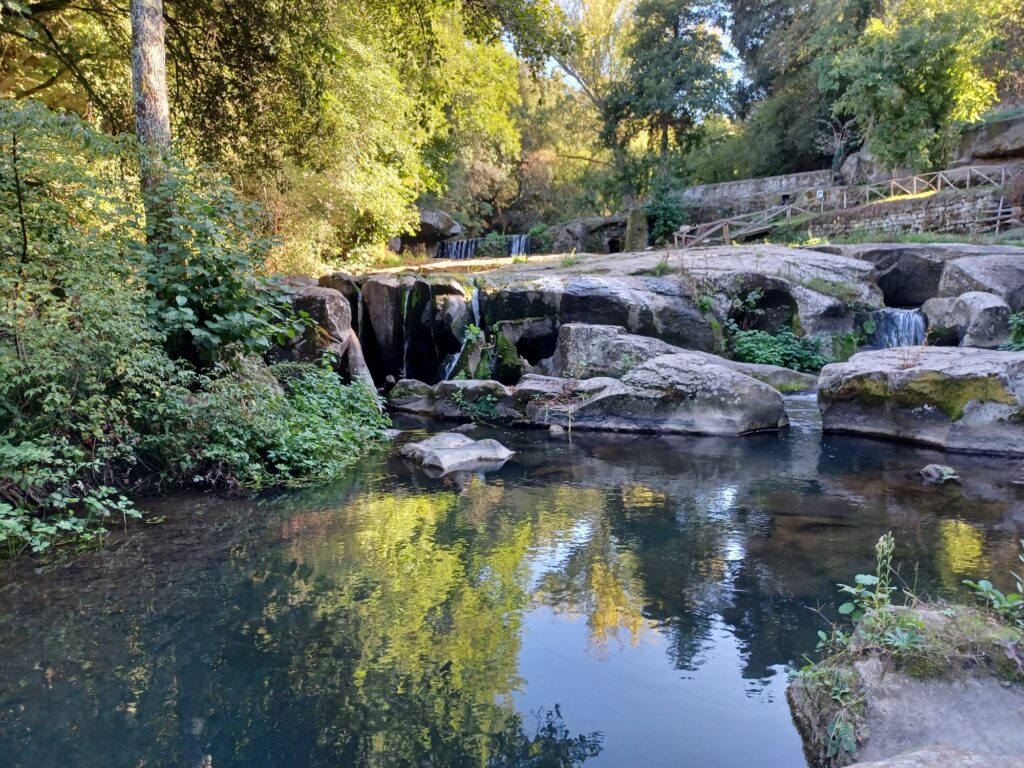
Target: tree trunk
point(152, 112)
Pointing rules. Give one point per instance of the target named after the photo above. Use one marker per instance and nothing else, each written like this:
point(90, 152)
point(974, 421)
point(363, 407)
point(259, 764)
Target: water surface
point(609, 601)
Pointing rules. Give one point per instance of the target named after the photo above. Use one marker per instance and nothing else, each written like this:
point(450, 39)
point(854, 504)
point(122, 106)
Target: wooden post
point(725, 233)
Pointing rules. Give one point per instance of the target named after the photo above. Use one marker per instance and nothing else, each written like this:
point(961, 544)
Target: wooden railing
point(761, 222)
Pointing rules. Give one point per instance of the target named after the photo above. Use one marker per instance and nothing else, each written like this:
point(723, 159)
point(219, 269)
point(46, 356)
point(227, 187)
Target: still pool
point(600, 601)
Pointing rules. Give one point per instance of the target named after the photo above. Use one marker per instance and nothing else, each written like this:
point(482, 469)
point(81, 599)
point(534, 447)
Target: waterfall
point(457, 249)
point(519, 245)
point(359, 316)
point(405, 333)
point(899, 328)
point(474, 304)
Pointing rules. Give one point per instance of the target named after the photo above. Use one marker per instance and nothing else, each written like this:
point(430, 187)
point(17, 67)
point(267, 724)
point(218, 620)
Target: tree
point(152, 110)
point(675, 78)
point(915, 73)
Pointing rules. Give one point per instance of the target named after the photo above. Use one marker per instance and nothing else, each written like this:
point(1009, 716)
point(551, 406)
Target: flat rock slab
point(454, 451)
point(681, 393)
point(979, 715)
point(944, 756)
point(953, 398)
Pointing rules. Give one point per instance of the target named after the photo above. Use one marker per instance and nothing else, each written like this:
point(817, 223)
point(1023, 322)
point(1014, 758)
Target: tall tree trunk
point(152, 112)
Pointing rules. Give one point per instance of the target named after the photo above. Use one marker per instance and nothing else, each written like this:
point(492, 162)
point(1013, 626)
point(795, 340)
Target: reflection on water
point(617, 601)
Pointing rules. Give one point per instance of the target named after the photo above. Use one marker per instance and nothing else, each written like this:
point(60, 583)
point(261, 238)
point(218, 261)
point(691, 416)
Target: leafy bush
point(91, 403)
point(666, 212)
point(785, 348)
point(1016, 342)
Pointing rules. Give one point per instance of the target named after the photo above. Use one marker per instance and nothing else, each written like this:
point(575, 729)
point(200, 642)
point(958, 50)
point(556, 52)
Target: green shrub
point(1016, 342)
point(785, 348)
point(92, 405)
point(666, 213)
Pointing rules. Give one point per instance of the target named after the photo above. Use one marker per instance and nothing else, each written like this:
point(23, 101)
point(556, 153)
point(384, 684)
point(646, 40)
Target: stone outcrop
point(585, 351)
point(417, 326)
point(909, 273)
point(681, 393)
point(330, 331)
point(453, 451)
point(958, 399)
point(994, 141)
point(942, 756)
point(973, 319)
point(999, 273)
point(595, 234)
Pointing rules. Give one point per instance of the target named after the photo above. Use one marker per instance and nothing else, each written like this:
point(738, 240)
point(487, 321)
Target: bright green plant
point(871, 592)
point(1009, 605)
point(784, 348)
point(1016, 342)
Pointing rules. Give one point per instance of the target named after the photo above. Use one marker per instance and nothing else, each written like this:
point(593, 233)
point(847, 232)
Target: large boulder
point(975, 319)
point(584, 351)
point(909, 273)
point(681, 393)
point(329, 331)
point(999, 273)
point(997, 140)
point(958, 399)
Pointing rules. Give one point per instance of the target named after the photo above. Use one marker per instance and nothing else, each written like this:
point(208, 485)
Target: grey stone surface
point(681, 393)
point(453, 451)
point(999, 273)
point(584, 351)
point(909, 273)
point(944, 756)
point(973, 319)
point(954, 398)
point(331, 332)
point(978, 714)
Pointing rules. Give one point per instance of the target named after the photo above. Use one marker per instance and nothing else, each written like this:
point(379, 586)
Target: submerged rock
point(453, 451)
point(939, 474)
point(958, 399)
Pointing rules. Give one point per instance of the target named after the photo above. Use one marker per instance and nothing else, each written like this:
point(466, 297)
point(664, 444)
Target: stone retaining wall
point(753, 194)
point(951, 212)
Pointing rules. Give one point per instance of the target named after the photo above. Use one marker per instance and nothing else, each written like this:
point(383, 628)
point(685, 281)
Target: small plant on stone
point(571, 259)
point(473, 333)
point(662, 268)
point(1009, 605)
point(871, 592)
point(1016, 342)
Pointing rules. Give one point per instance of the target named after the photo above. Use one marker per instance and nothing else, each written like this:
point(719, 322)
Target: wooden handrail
point(770, 217)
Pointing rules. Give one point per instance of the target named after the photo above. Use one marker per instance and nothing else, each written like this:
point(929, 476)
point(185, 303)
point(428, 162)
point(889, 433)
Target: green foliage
point(1008, 605)
point(666, 213)
point(1016, 341)
point(571, 260)
point(915, 73)
point(784, 348)
point(202, 271)
point(91, 403)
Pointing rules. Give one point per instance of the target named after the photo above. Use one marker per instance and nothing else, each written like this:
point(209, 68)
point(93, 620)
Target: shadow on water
point(610, 600)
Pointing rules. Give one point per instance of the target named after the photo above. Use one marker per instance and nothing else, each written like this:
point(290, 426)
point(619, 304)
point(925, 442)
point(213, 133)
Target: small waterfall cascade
point(899, 328)
point(474, 305)
point(458, 249)
point(519, 245)
point(405, 332)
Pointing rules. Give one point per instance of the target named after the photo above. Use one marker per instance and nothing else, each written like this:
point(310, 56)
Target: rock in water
point(955, 398)
point(939, 474)
point(451, 451)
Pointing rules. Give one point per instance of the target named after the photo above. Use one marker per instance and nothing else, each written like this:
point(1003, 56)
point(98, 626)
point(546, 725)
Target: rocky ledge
point(681, 393)
point(957, 399)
